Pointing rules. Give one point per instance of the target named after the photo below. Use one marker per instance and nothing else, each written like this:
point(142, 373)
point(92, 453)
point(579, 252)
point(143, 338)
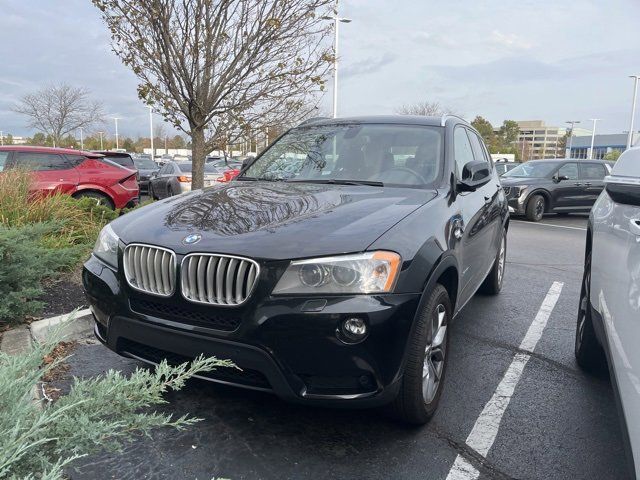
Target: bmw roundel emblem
point(192, 239)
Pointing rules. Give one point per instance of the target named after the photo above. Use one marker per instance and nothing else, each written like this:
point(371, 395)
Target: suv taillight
point(130, 182)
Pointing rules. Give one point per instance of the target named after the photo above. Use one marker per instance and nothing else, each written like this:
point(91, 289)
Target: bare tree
point(58, 110)
point(424, 108)
point(217, 67)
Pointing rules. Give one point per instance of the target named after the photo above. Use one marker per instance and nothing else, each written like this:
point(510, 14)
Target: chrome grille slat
point(217, 279)
point(150, 269)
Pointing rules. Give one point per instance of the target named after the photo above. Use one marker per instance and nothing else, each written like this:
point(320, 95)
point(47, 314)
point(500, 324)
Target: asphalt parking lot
point(515, 404)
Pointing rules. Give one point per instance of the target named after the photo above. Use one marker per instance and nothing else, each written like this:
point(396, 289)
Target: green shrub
point(99, 413)
point(25, 260)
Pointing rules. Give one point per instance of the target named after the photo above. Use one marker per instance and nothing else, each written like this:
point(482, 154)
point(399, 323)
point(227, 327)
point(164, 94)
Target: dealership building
point(602, 144)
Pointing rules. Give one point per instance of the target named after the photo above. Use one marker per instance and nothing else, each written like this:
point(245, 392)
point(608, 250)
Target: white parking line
point(549, 225)
point(485, 430)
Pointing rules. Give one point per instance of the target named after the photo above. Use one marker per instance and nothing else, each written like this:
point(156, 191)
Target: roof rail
point(444, 118)
point(311, 120)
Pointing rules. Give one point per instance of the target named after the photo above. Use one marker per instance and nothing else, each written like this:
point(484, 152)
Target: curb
point(71, 326)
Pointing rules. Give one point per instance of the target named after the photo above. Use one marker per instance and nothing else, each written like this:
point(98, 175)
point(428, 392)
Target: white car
point(608, 327)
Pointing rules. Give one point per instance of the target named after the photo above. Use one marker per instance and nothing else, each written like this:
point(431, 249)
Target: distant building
point(537, 140)
point(602, 144)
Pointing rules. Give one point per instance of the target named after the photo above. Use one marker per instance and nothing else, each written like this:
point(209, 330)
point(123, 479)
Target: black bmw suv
point(554, 186)
point(328, 270)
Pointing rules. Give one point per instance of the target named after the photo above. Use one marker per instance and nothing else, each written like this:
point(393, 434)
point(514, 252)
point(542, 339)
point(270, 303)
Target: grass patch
point(40, 237)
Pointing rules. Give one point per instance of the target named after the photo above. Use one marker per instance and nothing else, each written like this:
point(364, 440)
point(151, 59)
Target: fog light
point(354, 328)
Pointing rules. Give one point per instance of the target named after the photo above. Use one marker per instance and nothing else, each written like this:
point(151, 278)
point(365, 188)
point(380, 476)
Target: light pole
point(593, 136)
point(572, 123)
point(151, 131)
point(81, 138)
point(101, 133)
point(633, 108)
point(1, 138)
point(337, 20)
point(115, 119)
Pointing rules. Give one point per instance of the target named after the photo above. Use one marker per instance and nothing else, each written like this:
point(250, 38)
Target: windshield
point(399, 155)
point(145, 164)
point(532, 169)
point(123, 161)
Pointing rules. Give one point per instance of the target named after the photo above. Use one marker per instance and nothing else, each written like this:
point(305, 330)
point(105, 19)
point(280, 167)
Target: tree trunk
point(198, 154)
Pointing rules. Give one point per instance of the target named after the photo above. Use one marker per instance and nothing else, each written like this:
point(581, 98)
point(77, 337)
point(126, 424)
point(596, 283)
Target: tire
point(589, 353)
point(100, 198)
point(420, 389)
point(170, 191)
point(535, 208)
point(493, 283)
point(151, 193)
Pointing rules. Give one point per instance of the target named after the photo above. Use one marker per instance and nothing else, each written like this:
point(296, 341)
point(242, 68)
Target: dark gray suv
point(554, 186)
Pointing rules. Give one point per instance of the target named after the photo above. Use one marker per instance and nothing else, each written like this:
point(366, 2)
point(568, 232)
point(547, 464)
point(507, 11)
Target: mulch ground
point(63, 295)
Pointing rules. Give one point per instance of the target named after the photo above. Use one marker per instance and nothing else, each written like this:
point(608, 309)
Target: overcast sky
point(530, 59)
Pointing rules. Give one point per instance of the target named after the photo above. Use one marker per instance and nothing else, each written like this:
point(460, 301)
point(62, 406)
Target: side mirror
point(560, 178)
point(474, 175)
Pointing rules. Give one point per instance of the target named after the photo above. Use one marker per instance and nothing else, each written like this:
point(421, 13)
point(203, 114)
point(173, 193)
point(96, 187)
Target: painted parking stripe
point(485, 430)
point(549, 225)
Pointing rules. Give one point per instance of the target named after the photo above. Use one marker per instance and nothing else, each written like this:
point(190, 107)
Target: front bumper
point(284, 345)
point(517, 203)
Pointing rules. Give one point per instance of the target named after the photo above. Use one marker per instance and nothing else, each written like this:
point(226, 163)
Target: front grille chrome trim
point(150, 269)
point(218, 279)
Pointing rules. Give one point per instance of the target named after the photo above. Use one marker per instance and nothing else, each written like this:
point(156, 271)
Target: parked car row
point(77, 173)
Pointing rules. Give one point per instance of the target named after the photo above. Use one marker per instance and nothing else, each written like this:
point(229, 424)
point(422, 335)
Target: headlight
point(374, 272)
point(106, 248)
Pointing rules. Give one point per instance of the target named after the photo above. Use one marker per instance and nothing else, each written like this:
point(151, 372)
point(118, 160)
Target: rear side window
point(41, 161)
point(592, 171)
point(569, 170)
point(75, 160)
point(3, 159)
point(461, 149)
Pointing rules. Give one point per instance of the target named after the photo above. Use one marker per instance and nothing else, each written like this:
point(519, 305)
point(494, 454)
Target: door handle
point(577, 184)
point(635, 226)
point(587, 184)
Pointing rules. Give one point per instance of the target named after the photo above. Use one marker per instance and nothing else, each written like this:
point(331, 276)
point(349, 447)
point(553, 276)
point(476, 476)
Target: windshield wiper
point(337, 181)
point(258, 179)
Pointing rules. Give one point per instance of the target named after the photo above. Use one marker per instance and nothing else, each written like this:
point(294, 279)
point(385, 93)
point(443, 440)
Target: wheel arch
point(93, 189)
point(545, 194)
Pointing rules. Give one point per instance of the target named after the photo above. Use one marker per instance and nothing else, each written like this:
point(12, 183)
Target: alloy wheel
point(539, 207)
point(582, 313)
point(501, 260)
point(434, 355)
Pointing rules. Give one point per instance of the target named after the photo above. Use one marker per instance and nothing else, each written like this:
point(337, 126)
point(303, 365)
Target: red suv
point(77, 173)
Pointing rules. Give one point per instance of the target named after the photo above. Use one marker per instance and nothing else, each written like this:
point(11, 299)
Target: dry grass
point(80, 220)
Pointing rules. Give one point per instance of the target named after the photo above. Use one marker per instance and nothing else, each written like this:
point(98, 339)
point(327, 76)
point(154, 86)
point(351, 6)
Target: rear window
point(122, 161)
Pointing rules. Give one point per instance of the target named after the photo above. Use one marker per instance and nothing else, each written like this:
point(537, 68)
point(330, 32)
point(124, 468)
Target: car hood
point(272, 220)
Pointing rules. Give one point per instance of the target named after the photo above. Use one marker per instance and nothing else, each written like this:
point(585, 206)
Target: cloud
point(368, 65)
point(509, 40)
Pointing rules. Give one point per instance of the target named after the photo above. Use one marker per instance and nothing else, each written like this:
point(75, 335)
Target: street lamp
point(593, 136)
point(337, 20)
point(633, 109)
point(115, 119)
point(151, 131)
point(572, 123)
point(101, 133)
point(1, 138)
point(81, 138)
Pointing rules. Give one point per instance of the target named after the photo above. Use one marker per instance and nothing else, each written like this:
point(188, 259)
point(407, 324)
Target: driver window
point(569, 170)
point(461, 149)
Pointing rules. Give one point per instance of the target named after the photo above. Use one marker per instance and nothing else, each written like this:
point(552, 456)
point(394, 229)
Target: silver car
point(174, 178)
point(608, 327)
